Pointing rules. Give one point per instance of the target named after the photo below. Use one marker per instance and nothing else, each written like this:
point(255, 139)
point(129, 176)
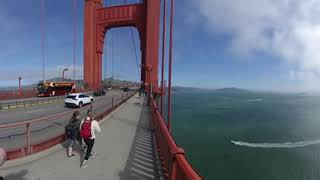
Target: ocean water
point(249, 136)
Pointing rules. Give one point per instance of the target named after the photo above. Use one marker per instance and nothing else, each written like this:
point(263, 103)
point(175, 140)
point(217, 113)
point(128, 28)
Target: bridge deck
point(125, 150)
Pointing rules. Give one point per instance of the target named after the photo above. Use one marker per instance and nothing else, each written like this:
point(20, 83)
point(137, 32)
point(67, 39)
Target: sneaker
point(84, 164)
point(71, 155)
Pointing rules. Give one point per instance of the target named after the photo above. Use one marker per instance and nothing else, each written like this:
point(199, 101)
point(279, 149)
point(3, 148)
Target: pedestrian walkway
point(125, 151)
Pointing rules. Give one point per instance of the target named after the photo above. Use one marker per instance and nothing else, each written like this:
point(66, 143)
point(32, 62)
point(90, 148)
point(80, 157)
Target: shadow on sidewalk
point(16, 176)
point(142, 161)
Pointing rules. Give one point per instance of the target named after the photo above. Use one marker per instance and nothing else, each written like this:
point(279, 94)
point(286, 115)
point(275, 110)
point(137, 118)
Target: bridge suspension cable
point(124, 63)
point(122, 60)
point(134, 47)
point(74, 9)
point(112, 37)
point(43, 35)
point(170, 64)
point(163, 55)
point(105, 59)
point(117, 56)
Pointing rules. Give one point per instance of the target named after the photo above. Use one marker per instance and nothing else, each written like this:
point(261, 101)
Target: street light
point(64, 70)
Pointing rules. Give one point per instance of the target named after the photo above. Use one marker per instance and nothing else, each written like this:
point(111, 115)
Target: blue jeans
point(71, 142)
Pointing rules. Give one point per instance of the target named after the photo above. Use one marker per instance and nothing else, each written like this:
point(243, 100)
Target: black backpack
point(70, 130)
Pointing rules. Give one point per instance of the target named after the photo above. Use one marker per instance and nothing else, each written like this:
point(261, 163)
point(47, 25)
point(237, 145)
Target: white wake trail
point(277, 145)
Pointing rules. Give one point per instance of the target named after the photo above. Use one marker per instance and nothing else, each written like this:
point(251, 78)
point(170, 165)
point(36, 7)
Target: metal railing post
point(28, 139)
point(150, 94)
point(173, 174)
point(112, 102)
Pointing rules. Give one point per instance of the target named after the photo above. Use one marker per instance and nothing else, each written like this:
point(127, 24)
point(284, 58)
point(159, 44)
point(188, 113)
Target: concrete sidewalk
point(125, 151)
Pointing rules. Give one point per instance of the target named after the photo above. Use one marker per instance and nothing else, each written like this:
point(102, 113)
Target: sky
point(262, 45)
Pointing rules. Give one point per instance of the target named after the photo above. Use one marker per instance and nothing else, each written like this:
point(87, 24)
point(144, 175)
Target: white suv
point(78, 99)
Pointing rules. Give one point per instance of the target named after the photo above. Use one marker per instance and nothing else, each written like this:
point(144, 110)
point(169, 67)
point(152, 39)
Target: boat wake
point(255, 100)
point(277, 145)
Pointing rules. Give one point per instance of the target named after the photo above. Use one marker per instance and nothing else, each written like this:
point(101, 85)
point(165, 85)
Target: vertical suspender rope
point(105, 59)
point(122, 59)
point(119, 55)
point(170, 66)
point(163, 55)
point(115, 54)
point(135, 52)
point(43, 35)
point(134, 47)
point(74, 37)
point(124, 62)
point(112, 54)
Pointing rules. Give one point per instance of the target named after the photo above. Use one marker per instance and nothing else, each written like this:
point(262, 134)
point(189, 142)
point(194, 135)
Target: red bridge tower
point(98, 20)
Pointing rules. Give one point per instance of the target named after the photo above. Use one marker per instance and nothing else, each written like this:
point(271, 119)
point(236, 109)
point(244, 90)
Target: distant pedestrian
point(140, 91)
point(144, 92)
point(88, 128)
point(72, 132)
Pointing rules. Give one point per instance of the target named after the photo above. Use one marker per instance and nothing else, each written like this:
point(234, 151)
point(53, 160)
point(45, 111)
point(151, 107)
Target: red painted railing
point(30, 148)
point(173, 160)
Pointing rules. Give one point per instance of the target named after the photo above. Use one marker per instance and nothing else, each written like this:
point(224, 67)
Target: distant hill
point(232, 90)
point(177, 89)
point(186, 89)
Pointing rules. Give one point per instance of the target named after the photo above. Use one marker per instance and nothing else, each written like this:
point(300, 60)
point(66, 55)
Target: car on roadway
point(78, 100)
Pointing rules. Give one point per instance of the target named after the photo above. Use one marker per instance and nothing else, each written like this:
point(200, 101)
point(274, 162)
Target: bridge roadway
point(125, 151)
point(16, 137)
point(10, 116)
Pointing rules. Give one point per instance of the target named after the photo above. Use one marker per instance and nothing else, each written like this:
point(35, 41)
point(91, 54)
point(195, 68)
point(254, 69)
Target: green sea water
point(206, 122)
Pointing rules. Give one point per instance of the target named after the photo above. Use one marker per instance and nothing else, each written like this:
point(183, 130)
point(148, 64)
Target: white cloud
point(286, 29)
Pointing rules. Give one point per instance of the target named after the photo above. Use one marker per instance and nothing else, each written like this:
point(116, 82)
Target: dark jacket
point(72, 129)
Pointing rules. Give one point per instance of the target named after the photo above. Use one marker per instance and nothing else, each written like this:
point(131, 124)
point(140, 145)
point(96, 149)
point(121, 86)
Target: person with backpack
point(72, 132)
point(88, 128)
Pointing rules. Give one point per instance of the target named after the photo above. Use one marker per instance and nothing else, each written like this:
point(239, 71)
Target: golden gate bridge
point(153, 153)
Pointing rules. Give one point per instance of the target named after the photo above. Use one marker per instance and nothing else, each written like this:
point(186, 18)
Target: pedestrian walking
point(72, 132)
point(88, 128)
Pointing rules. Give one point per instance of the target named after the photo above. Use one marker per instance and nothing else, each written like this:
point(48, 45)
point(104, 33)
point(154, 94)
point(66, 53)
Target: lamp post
point(64, 70)
point(20, 89)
